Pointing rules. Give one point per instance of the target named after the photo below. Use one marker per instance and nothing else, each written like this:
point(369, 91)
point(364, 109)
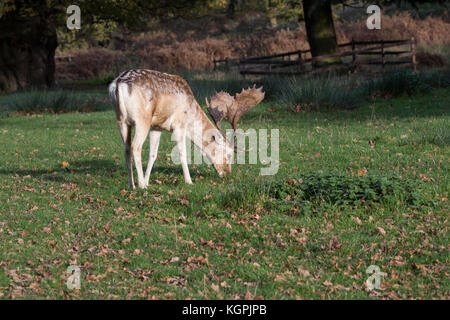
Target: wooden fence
point(67, 58)
point(354, 56)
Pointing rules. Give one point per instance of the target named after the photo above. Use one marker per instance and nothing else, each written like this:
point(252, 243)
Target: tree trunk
point(320, 29)
point(27, 51)
point(231, 9)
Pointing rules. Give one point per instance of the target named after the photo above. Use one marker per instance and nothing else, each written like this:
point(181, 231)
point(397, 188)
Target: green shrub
point(340, 189)
point(396, 83)
point(57, 101)
point(437, 78)
point(321, 93)
point(318, 190)
point(310, 92)
point(274, 86)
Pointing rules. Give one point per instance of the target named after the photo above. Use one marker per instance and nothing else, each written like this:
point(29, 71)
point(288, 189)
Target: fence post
point(227, 64)
point(215, 64)
point(413, 57)
point(353, 51)
point(300, 62)
point(354, 66)
point(382, 54)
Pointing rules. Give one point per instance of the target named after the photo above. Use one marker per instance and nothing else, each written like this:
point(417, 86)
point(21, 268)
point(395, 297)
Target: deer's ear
point(219, 105)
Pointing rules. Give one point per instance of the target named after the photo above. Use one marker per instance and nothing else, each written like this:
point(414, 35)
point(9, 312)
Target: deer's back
point(151, 96)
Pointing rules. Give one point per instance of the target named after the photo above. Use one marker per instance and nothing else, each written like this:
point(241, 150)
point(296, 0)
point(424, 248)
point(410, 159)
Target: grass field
point(64, 201)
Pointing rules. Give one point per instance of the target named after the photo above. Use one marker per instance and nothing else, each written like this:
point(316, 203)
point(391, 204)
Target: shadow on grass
point(100, 167)
point(88, 166)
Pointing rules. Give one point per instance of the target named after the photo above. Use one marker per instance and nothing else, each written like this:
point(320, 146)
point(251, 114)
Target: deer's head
point(224, 106)
point(221, 152)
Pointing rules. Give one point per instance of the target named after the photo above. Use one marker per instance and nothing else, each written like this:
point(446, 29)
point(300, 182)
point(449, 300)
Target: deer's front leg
point(180, 137)
point(154, 138)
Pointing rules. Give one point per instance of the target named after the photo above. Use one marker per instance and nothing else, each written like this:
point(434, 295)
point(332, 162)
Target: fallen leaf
point(381, 230)
point(303, 272)
point(357, 220)
point(215, 287)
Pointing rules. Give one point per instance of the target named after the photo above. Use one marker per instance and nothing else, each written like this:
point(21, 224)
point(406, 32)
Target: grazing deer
point(155, 101)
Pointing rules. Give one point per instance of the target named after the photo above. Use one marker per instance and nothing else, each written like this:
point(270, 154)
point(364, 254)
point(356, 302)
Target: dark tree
point(27, 46)
point(28, 31)
point(320, 28)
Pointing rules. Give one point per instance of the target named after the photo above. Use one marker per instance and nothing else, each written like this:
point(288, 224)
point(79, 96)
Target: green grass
point(64, 201)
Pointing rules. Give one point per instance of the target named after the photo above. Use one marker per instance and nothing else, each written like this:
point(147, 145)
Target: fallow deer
point(155, 101)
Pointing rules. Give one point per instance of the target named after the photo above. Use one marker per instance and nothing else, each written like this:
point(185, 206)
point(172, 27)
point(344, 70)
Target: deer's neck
point(197, 125)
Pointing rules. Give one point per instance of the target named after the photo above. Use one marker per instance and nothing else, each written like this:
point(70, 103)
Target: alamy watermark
point(74, 280)
point(374, 20)
point(374, 280)
point(74, 20)
point(257, 149)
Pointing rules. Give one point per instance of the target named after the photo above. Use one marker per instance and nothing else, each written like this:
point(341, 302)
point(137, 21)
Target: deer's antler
point(224, 106)
point(245, 100)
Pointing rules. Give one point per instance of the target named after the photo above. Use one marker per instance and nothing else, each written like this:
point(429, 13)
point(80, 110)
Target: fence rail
point(360, 55)
point(66, 58)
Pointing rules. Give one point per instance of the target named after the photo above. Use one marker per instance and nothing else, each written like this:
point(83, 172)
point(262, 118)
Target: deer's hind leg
point(140, 135)
point(125, 133)
point(154, 138)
